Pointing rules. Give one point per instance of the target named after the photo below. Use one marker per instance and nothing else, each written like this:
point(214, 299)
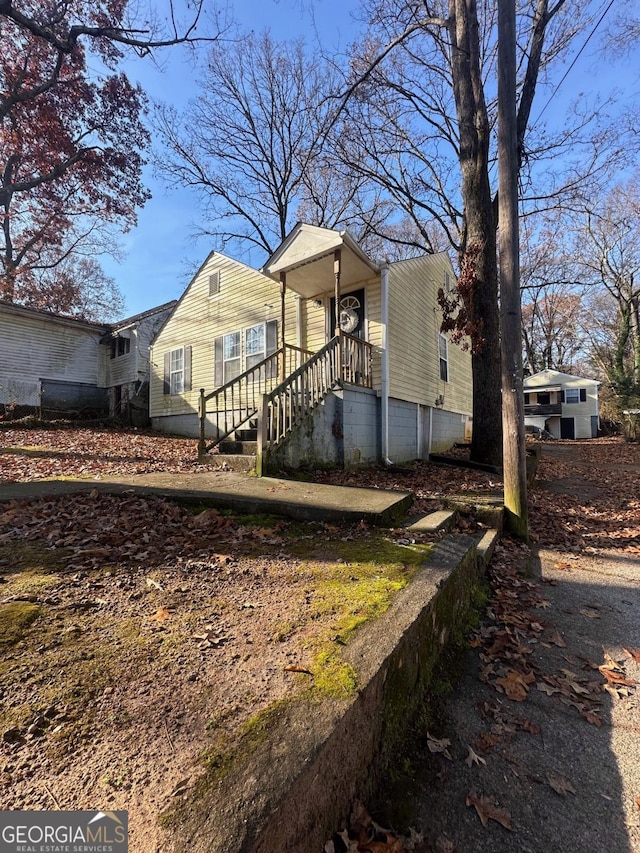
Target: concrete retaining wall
point(293, 790)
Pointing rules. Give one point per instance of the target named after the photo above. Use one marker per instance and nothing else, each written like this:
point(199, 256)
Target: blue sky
point(160, 254)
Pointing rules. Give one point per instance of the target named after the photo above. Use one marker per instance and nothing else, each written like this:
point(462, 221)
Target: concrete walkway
point(240, 493)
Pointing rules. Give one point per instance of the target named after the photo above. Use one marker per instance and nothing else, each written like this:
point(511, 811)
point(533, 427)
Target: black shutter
point(562, 396)
point(526, 398)
point(167, 373)
point(187, 368)
point(583, 395)
point(218, 368)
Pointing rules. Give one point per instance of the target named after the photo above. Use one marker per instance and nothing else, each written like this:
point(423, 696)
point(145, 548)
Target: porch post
point(282, 360)
point(337, 257)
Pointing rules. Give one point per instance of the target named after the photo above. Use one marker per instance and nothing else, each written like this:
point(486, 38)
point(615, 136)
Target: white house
point(53, 363)
point(564, 405)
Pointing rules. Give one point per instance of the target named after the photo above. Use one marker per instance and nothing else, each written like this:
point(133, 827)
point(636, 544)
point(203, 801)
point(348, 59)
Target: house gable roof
point(306, 257)
point(554, 379)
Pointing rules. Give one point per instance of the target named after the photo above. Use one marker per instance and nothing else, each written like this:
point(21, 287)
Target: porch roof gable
point(306, 256)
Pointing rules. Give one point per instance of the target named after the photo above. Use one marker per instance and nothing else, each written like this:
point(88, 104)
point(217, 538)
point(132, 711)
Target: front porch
point(270, 400)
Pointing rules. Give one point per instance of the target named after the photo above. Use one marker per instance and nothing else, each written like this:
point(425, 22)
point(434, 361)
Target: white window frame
point(176, 371)
point(443, 357)
point(231, 353)
point(251, 354)
point(575, 393)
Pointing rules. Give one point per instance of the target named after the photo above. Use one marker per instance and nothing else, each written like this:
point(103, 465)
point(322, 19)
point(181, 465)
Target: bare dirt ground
point(139, 638)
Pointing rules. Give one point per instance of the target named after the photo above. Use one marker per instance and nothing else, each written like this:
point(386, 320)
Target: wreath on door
point(349, 319)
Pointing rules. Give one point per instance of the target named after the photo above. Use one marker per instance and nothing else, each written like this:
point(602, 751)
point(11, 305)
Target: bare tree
point(608, 257)
point(422, 103)
point(251, 145)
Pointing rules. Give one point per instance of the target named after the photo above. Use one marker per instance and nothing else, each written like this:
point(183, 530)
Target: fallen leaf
point(473, 758)
point(392, 844)
point(547, 688)
point(161, 614)
point(633, 653)
point(516, 684)
point(441, 746)
point(181, 787)
point(590, 612)
point(557, 640)
point(153, 584)
point(592, 717)
point(616, 677)
point(294, 667)
point(488, 809)
point(560, 784)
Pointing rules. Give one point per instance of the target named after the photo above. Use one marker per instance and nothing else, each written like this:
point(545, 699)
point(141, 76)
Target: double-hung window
point(572, 395)
point(443, 357)
point(176, 371)
point(232, 356)
point(255, 350)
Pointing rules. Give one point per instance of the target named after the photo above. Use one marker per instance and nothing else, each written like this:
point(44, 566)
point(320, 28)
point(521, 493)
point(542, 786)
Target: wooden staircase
point(254, 414)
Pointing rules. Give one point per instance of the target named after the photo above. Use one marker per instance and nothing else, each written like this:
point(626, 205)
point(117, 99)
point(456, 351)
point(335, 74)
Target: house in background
point(566, 406)
point(62, 365)
point(329, 357)
point(125, 363)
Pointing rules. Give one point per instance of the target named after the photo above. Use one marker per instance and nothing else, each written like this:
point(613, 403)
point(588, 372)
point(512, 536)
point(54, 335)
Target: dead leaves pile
point(429, 483)
point(97, 530)
point(364, 835)
point(513, 628)
point(606, 469)
point(36, 454)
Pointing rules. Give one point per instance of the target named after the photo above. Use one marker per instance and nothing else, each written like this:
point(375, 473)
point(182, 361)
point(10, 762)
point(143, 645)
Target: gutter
point(384, 288)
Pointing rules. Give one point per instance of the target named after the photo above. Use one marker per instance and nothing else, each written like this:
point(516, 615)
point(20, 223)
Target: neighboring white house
point(53, 363)
point(375, 379)
point(566, 406)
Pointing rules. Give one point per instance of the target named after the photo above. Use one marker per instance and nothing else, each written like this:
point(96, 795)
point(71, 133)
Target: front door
point(567, 428)
point(351, 313)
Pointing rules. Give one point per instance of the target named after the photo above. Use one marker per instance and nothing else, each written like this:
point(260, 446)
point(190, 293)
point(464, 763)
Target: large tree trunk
point(486, 442)
point(479, 239)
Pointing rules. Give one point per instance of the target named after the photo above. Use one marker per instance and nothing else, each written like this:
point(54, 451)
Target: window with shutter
point(572, 395)
point(177, 371)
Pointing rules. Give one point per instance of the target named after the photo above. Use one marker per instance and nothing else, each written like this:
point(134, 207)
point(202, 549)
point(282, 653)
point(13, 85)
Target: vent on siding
point(447, 282)
point(214, 283)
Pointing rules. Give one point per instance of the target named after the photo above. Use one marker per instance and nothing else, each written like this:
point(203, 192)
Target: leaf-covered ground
point(139, 637)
